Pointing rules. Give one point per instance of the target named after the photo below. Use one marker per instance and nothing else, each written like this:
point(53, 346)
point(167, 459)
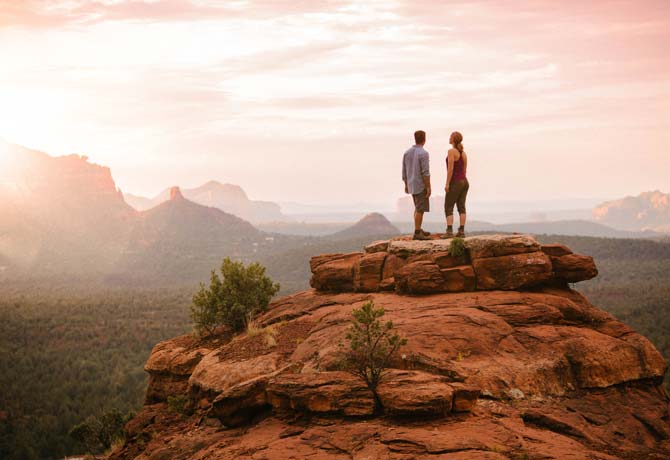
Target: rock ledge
point(488, 262)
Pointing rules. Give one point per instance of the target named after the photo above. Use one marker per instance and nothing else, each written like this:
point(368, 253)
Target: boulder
point(574, 267)
point(422, 277)
point(555, 250)
point(512, 271)
point(459, 279)
point(177, 356)
point(215, 374)
point(446, 260)
point(387, 284)
point(377, 246)
point(368, 272)
point(415, 393)
point(392, 264)
point(169, 366)
point(238, 404)
point(465, 397)
point(500, 245)
point(335, 273)
point(321, 392)
point(405, 248)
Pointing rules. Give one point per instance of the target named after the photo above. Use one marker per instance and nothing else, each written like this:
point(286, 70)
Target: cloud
point(59, 13)
point(175, 82)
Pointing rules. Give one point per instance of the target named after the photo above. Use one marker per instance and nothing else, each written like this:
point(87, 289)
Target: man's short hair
point(420, 137)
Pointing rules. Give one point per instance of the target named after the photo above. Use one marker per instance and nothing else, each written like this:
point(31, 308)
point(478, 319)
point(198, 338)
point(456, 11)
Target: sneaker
point(420, 235)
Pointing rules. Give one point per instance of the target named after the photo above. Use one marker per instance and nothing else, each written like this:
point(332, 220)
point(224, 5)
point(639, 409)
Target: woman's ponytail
point(458, 141)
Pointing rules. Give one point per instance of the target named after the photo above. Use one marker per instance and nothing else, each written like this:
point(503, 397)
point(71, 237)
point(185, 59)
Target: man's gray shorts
point(421, 202)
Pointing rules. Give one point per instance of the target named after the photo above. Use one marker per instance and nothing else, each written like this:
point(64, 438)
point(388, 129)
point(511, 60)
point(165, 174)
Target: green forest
point(67, 354)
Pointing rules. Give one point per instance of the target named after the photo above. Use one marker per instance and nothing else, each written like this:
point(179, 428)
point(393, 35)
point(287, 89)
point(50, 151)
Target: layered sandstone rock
point(486, 373)
point(489, 262)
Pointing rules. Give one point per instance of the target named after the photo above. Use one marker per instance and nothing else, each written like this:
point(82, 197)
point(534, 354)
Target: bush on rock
point(234, 299)
point(372, 346)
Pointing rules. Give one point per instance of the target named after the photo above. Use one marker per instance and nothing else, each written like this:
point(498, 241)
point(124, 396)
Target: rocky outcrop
point(489, 373)
point(487, 262)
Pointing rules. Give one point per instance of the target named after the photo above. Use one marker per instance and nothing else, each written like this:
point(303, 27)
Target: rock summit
point(504, 361)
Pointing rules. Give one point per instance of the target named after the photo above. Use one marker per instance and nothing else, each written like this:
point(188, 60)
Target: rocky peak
point(175, 194)
point(371, 224)
point(503, 361)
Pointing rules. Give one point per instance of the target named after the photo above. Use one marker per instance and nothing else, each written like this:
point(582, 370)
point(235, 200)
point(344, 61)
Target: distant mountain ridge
point(63, 216)
point(226, 197)
point(647, 211)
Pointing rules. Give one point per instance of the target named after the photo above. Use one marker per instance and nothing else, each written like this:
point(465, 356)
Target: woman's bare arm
point(450, 168)
point(465, 163)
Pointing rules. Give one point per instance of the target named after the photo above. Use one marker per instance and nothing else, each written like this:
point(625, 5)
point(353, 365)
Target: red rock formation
point(422, 267)
point(496, 374)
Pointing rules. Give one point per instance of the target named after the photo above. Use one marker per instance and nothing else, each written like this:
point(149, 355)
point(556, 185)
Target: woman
point(457, 185)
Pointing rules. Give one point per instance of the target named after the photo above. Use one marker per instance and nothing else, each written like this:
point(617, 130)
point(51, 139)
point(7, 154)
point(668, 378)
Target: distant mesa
point(60, 208)
point(372, 224)
point(226, 197)
point(647, 211)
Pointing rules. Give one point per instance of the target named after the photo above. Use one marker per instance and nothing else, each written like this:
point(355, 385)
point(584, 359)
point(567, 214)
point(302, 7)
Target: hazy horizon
point(556, 100)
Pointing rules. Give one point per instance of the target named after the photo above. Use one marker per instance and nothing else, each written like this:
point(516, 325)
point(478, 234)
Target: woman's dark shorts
point(458, 192)
point(421, 202)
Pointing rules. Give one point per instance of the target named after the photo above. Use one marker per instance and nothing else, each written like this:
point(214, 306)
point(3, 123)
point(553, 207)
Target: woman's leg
point(449, 203)
point(462, 215)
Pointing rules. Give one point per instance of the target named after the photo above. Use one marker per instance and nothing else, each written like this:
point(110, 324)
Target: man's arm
point(404, 173)
point(425, 172)
point(426, 181)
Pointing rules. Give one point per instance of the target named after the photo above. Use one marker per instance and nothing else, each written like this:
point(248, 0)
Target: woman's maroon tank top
point(459, 169)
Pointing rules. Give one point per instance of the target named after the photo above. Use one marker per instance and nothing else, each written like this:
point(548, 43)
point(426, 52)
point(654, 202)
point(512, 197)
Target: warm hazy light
point(316, 101)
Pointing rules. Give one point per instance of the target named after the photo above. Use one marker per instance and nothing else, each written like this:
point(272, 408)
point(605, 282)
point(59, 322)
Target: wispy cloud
point(187, 85)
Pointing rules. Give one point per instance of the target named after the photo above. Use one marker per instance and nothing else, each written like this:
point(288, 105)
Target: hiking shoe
point(460, 233)
point(420, 235)
point(447, 235)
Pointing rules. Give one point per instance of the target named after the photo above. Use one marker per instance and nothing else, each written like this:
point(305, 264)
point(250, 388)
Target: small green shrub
point(457, 247)
point(234, 299)
point(372, 346)
point(178, 404)
point(97, 434)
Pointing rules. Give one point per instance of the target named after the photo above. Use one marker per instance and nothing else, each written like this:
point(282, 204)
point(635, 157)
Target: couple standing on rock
point(416, 175)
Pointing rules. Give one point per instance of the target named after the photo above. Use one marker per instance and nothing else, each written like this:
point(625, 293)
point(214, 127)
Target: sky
point(315, 102)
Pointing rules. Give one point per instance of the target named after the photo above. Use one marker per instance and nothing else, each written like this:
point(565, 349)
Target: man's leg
point(418, 220)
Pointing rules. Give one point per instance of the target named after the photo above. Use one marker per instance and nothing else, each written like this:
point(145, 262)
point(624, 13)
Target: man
point(416, 175)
